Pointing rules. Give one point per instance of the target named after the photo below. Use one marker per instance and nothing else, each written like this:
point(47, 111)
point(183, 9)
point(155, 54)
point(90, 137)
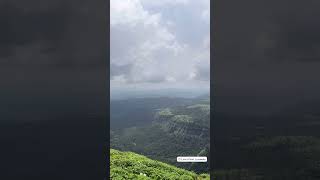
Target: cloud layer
point(151, 42)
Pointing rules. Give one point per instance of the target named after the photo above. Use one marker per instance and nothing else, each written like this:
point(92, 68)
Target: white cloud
point(161, 3)
point(206, 15)
point(127, 12)
point(143, 42)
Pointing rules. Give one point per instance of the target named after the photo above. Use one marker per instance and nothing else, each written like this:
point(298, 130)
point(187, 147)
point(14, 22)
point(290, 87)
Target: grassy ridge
point(129, 165)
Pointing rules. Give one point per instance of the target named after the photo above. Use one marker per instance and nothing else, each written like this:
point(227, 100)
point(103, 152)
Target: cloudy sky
point(159, 44)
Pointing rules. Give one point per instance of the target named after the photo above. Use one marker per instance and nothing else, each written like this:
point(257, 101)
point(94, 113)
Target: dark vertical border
point(108, 91)
point(54, 74)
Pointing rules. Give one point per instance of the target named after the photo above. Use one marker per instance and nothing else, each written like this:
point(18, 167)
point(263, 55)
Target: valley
point(169, 127)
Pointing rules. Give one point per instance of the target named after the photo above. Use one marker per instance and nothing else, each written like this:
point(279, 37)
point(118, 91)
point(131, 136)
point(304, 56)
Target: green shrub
point(128, 165)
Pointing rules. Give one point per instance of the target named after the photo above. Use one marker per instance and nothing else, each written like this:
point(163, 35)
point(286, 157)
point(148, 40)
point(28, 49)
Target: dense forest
point(163, 128)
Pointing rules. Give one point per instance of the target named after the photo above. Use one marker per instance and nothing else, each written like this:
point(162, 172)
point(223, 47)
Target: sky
point(159, 44)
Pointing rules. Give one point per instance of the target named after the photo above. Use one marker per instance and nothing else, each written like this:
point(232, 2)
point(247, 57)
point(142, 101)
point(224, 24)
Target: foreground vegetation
point(182, 130)
point(129, 165)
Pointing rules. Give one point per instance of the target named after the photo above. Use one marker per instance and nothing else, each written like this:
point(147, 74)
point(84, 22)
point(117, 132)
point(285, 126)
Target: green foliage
point(165, 112)
point(205, 108)
point(158, 144)
point(199, 113)
point(176, 131)
point(128, 165)
point(182, 119)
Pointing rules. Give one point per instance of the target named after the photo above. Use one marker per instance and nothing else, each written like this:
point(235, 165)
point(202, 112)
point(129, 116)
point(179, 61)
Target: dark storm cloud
point(266, 54)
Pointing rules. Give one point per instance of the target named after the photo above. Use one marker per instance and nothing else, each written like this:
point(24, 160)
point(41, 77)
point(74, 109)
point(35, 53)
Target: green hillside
point(182, 130)
point(129, 165)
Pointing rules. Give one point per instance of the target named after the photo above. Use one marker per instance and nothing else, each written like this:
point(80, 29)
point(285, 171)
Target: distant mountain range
point(170, 92)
